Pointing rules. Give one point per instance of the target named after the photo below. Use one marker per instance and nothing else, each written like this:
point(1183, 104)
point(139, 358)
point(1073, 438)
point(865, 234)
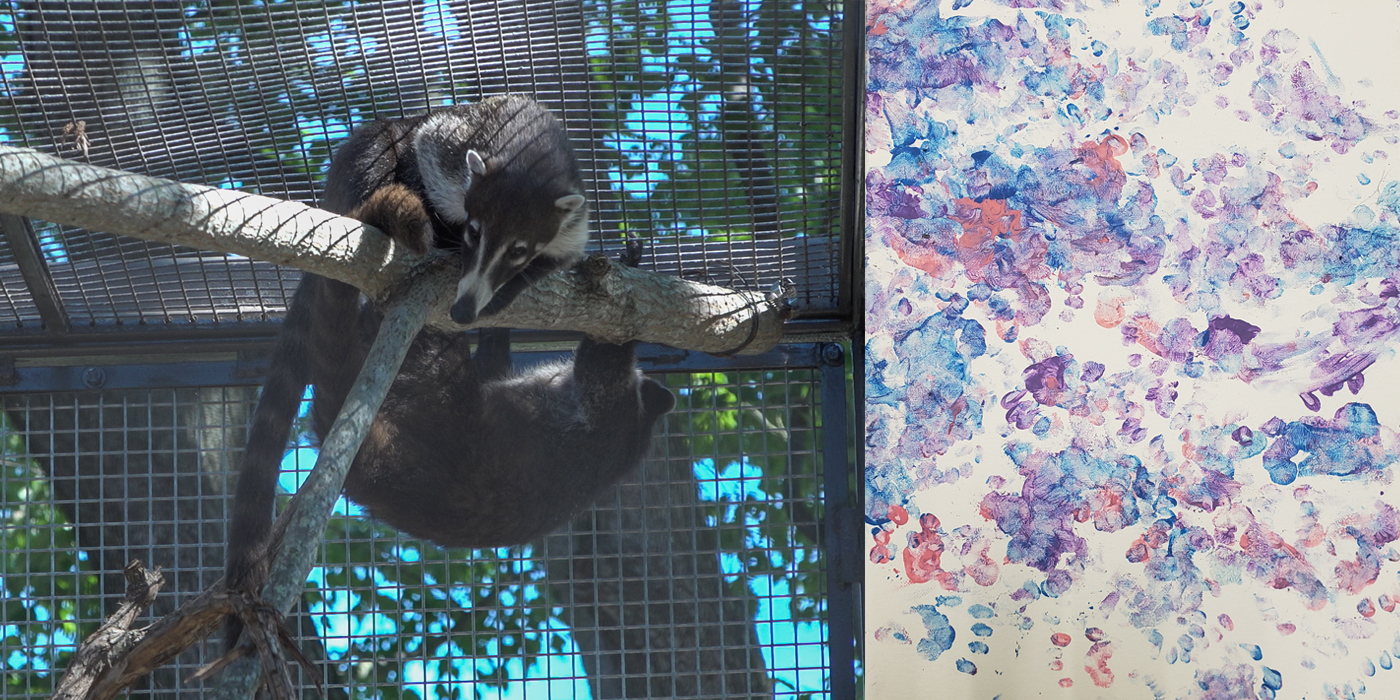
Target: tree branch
point(611, 302)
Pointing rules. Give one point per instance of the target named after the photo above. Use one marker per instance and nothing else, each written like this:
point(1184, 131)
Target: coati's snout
point(473, 294)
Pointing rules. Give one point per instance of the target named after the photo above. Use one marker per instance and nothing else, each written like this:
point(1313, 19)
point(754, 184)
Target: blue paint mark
point(1385, 660)
point(980, 611)
point(1368, 668)
point(940, 633)
point(1254, 651)
point(1273, 680)
point(981, 630)
point(967, 667)
point(1337, 447)
point(977, 647)
point(948, 601)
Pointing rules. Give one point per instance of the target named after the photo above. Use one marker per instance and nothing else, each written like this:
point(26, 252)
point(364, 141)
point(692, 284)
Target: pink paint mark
point(1060, 639)
point(1097, 665)
point(882, 552)
point(922, 558)
point(1226, 622)
point(1057, 665)
point(1066, 682)
point(899, 515)
point(985, 570)
point(1287, 628)
point(1387, 602)
point(1366, 608)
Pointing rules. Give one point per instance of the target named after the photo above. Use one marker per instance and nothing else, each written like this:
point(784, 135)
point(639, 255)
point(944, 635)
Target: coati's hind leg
point(343, 334)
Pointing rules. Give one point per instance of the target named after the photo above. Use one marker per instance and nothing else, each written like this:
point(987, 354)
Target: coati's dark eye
point(519, 251)
point(473, 231)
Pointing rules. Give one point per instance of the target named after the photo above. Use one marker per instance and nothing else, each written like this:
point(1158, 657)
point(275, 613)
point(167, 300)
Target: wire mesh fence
point(701, 575)
point(711, 127)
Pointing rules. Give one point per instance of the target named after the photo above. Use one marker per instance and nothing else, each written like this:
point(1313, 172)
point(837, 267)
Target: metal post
point(843, 580)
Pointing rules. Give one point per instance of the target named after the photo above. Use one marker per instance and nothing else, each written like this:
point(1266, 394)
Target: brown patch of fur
point(400, 213)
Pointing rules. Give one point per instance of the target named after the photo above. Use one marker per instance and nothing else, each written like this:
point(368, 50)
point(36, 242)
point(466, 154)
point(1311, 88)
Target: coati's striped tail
point(316, 335)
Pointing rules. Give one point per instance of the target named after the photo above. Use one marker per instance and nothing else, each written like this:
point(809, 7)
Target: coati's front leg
point(492, 356)
point(606, 374)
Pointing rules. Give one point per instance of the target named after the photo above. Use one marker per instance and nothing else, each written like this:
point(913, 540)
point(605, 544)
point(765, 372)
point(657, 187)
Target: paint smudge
point(940, 634)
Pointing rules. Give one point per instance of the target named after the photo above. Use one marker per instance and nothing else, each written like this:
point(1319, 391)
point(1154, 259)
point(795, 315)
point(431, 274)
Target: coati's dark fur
point(461, 453)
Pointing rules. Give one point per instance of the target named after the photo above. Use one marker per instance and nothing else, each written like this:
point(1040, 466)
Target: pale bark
point(617, 305)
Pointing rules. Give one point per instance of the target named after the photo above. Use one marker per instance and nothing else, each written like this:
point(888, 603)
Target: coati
point(461, 453)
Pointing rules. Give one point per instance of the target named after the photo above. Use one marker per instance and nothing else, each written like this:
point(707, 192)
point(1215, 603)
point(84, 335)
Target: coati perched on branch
point(460, 453)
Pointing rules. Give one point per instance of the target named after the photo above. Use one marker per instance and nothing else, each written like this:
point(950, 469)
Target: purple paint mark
point(1074, 485)
point(1232, 682)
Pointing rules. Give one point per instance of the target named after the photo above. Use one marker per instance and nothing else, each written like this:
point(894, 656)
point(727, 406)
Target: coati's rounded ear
point(475, 163)
point(569, 203)
point(657, 400)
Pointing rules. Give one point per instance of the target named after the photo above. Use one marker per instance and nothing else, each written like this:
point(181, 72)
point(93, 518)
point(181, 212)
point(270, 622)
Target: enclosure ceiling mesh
point(710, 128)
point(700, 575)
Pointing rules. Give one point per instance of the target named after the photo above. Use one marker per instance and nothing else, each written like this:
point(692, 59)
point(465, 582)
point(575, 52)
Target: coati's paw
point(632, 254)
point(400, 214)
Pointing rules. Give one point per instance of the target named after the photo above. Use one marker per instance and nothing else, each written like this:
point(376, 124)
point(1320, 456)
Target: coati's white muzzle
point(474, 292)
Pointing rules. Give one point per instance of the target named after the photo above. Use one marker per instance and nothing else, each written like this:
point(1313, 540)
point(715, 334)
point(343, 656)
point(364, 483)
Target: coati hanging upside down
point(462, 452)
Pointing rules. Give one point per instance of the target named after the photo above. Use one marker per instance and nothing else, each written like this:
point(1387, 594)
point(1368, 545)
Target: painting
point(1131, 388)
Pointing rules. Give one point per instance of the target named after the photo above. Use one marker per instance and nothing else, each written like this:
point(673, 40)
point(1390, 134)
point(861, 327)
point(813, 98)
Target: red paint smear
point(1287, 628)
point(899, 515)
point(1066, 682)
point(1098, 669)
point(879, 29)
point(1057, 665)
point(1060, 639)
point(1226, 622)
point(922, 558)
point(1387, 603)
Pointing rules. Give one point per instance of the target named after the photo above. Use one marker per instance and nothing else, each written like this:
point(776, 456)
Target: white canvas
point(1132, 304)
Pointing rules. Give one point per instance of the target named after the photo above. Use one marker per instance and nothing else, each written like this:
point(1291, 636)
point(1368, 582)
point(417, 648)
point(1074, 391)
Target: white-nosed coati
point(461, 453)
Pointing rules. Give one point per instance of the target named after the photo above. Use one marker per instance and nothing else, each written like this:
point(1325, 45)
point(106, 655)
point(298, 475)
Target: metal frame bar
point(248, 368)
point(19, 233)
point(842, 573)
point(852, 235)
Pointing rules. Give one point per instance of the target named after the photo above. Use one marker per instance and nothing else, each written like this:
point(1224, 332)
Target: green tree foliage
point(46, 585)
